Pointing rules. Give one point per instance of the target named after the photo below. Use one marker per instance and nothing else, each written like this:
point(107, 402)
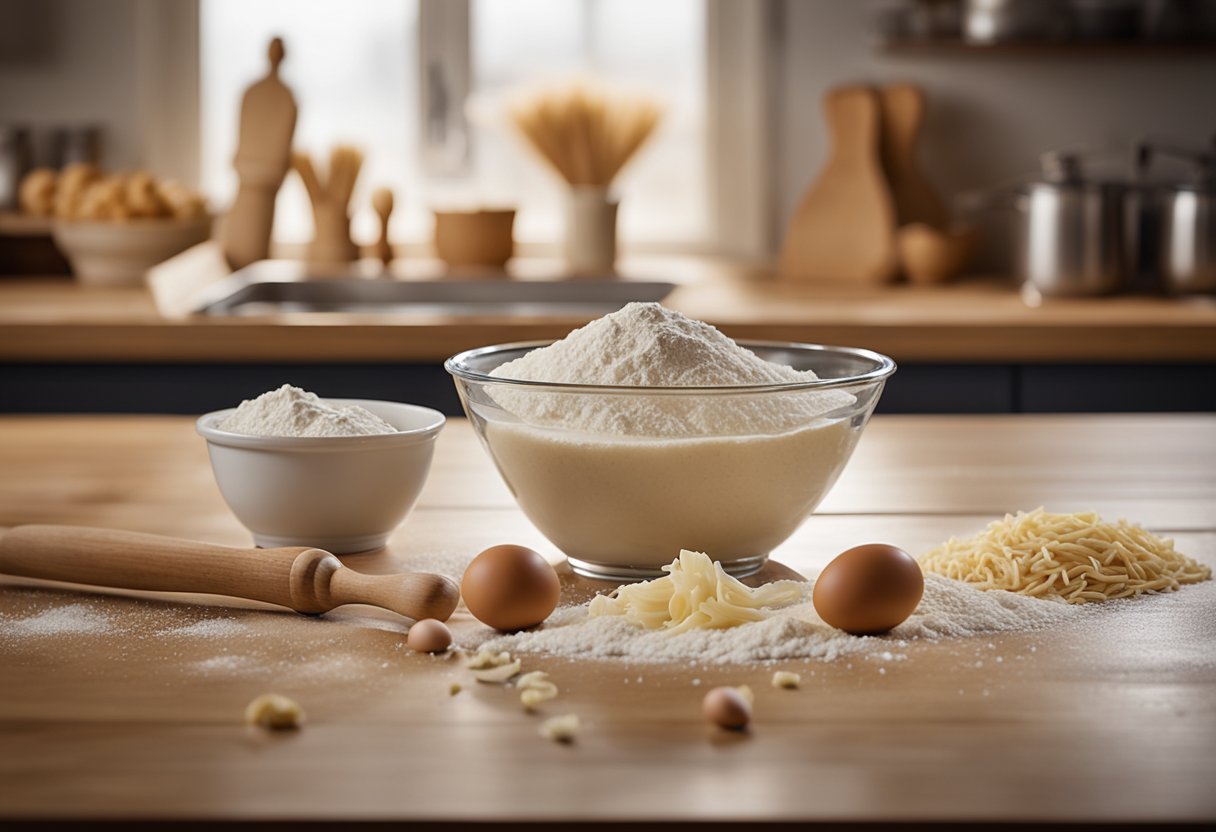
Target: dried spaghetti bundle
point(1074, 557)
point(585, 131)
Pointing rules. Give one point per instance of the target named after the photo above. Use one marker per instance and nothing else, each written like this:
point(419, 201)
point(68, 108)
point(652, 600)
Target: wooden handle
point(852, 116)
point(304, 579)
point(382, 202)
point(415, 595)
point(903, 114)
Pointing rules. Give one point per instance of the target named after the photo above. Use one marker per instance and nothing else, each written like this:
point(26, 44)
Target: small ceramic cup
point(475, 239)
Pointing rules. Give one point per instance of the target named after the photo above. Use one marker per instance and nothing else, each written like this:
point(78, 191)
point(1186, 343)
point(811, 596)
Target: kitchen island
point(124, 706)
point(968, 347)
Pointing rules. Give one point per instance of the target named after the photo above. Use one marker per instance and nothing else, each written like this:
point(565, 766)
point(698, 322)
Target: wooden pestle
point(304, 579)
point(382, 202)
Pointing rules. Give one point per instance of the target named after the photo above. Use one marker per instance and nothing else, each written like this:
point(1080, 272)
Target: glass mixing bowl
point(621, 479)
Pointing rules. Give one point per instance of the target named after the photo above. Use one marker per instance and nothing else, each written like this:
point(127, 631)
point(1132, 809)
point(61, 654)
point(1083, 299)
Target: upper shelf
point(958, 46)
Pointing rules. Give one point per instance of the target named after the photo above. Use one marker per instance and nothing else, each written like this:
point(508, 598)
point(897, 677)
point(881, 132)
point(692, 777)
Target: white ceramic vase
point(590, 232)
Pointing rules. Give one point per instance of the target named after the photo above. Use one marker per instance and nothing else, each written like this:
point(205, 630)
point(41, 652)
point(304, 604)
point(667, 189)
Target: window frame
point(741, 68)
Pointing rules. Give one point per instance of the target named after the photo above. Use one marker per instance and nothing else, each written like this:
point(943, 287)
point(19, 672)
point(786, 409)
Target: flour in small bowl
point(290, 411)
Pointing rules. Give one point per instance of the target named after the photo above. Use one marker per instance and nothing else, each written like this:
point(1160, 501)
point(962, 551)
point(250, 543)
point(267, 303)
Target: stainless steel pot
point(1185, 251)
point(1000, 21)
point(1071, 234)
point(1188, 239)
point(14, 163)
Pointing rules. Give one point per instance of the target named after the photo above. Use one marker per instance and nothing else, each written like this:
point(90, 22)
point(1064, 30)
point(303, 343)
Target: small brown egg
point(429, 636)
point(727, 708)
point(868, 589)
point(510, 587)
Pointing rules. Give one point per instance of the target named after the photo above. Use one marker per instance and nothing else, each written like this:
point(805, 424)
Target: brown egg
point(510, 587)
point(727, 708)
point(429, 636)
point(868, 589)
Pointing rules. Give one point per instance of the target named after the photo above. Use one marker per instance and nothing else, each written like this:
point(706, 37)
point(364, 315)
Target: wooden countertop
point(140, 717)
point(55, 320)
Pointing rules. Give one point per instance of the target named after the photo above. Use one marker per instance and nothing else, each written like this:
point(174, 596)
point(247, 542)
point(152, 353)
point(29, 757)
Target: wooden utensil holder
point(331, 242)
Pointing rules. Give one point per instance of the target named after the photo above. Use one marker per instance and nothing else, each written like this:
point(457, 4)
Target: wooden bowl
point(929, 255)
point(482, 238)
point(112, 253)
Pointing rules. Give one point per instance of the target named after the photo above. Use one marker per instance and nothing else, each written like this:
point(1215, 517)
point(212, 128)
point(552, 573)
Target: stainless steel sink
point(269, 288)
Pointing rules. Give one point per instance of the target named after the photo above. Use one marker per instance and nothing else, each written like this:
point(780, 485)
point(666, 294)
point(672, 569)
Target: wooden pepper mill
point(263, 157)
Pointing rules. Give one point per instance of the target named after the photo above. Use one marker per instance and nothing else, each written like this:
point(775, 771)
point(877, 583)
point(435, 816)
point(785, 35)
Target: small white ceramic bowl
point(342, 494)
point(108, 253)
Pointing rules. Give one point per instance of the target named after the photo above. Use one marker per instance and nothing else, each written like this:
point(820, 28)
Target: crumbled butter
point(560, 728)
point(786, 679)
point(532, 696)
point(487, 658)
point(274, 712)
point(531, 678)
point(497, 674)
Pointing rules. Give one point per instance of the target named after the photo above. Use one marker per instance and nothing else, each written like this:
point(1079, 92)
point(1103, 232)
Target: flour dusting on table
point(949, 609)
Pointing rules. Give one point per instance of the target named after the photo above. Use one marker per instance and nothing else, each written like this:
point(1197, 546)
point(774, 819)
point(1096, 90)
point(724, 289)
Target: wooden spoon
point(306, 580)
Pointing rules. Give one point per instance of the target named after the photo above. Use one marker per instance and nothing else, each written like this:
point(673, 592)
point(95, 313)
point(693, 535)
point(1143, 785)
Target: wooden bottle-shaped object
point(844, 229)
point(930, 249)
point(903, 114)
point(263, 157)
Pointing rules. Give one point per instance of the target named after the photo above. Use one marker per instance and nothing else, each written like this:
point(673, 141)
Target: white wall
point(88, 72)
point(989, 115)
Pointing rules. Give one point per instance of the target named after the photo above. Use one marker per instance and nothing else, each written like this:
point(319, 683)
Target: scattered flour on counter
point(290, 411)
point(209, 628)
point(160, 642)
point(73, 619)
point(949, 609)
point(226, 664)
point(647, 345)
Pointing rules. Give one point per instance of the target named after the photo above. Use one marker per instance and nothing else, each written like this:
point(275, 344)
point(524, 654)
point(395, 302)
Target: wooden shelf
point(1062, 48)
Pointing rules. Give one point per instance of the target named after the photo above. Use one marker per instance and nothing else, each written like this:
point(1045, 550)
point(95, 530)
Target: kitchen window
point(419, 85)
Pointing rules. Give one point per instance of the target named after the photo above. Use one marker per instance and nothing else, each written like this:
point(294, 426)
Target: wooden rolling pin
point(306, 580)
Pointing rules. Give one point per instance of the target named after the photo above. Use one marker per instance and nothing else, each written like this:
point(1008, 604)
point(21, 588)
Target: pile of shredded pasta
point(1074, 557)
point(695, 594)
